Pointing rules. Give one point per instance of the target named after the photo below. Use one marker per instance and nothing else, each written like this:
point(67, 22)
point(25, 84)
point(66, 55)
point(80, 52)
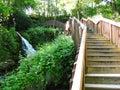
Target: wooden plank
point(104, 60)
point(104, 66)
point(101, 47)
point(103, 86)
point(102, 75)
point(114, 50)
point(104, 54)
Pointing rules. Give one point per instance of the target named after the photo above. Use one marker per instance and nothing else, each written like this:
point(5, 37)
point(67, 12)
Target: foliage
point(22, 21)
point(89, 8)
point(39, 35)
point(51, 66)
point(21, 5)
point(90, 11)
point(117, 5)
point(98, 1)
point(84, 8)
point(9, 46)
point(53, 8)
point(4, 11)
point(10, 7)
point(40, 20)
point(106, 11)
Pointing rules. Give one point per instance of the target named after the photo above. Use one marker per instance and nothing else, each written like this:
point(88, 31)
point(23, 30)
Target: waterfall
point(27, 48)
point(1, 79)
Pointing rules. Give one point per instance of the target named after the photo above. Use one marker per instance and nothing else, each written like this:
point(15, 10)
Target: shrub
point(9, 46)
point(23, 22)
point(39, 35)
point(51, 66)
point(40, 20)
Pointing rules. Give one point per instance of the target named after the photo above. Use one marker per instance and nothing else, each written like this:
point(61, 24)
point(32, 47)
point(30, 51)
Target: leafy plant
point(23, 22)
point(51, 66)
point(9, 46)
point(39, 35)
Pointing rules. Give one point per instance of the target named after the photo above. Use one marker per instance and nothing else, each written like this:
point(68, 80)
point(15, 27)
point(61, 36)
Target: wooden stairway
point(102, 64)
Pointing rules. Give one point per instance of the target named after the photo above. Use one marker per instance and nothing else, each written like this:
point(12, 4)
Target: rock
point(6, 65)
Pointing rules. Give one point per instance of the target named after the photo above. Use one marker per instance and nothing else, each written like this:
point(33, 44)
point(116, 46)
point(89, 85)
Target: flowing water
point(27, 48)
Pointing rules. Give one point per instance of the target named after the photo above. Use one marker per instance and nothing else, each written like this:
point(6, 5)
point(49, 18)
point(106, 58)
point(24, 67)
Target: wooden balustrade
point(106, 27)
point(109, 29)
point(78, 76)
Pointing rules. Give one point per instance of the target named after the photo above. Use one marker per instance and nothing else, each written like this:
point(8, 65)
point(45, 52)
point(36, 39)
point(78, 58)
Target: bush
point(23, 22)
point(40, 20)
point(50, 67)
point(39, 35)
point(9, 46)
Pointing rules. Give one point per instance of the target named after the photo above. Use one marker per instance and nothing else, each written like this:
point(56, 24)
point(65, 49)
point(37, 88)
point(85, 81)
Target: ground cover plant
point(39, 35)
point(9, 45)
point(51, 66)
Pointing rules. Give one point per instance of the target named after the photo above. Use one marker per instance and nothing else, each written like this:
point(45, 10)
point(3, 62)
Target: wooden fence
point(106, 27)
point(79, 66)
point(79, 32)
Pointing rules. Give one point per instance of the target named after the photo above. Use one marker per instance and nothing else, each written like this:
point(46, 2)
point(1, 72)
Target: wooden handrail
point(78, 79)
point(106, 27)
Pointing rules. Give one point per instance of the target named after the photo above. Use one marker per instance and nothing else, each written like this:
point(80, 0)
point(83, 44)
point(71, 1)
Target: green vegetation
point(9, 46)
point(22, 21)
point(39, 35)
point(107, 8)
point(10, 43)
point(50, 67)
point(53, 62)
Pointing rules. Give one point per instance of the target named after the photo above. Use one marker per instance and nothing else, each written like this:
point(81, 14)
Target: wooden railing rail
point(106, 27)
point(78, 78)
point(78, 33)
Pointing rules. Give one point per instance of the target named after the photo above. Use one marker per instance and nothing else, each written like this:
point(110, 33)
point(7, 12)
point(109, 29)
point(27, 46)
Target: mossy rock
point(6, 65)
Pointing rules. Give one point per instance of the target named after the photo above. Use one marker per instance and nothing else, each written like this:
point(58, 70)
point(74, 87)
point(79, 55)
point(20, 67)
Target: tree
point(4, 11)
point(117, 6)
point(84, 8)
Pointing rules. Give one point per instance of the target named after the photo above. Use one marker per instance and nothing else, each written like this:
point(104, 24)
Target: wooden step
point(102, 57)
point(96, 37)
point(105, 51)
point(100, 44)
point(101, 38)
point(104, 54)
point(98, 41)
point(96, 44)
point(103, 69)
point(103, 63)
point(102, 87)
point(102, 47)
point(104, 66)
point(102, 80)
point(102, 75)
point(103, 60)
